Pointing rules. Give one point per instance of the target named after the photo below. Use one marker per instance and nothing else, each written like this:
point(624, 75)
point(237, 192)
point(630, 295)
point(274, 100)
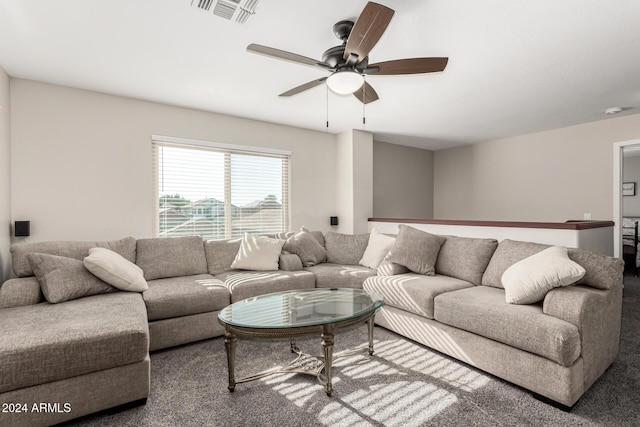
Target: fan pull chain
point(327, 103)
point(364, 100)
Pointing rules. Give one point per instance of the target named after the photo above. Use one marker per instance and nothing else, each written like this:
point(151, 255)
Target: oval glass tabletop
point(309, 307)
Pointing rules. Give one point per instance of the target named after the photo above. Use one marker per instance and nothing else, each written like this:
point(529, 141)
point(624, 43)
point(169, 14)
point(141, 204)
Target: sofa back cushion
point(345, 248)
point(76, 250)
point(171, 257)
point(506, 254)
point(221, 254)
point(465, 258)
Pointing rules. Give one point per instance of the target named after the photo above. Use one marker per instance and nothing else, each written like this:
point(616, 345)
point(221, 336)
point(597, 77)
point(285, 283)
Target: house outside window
point(218, 191)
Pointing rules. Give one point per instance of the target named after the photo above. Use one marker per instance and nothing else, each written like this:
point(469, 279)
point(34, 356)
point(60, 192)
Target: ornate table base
point(304, 363)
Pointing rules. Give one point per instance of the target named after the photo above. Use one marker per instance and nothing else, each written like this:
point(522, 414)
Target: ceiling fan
point(349, 62)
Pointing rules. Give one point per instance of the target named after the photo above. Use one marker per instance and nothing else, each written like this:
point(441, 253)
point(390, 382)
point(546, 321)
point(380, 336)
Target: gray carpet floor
point(402, 384)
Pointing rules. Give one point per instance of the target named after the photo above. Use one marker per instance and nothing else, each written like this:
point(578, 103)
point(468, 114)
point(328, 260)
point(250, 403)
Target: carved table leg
point(327, 345)
point(230, 345)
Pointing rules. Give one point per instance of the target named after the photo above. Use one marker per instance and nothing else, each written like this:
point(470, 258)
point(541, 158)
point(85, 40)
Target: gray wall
point(81, 160)
point(554, 175)
point(402, 182)
point(5, 177)
point(631, 173)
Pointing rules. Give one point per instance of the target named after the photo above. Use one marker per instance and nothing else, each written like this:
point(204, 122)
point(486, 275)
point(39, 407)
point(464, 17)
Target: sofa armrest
point(290, 262)
point(20, 292)
point(597, 314)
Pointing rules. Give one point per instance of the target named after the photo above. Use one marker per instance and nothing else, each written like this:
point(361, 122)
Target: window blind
point(218, 193)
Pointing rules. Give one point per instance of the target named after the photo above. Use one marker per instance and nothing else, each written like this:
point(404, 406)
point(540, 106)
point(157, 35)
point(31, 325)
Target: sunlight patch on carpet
point(400, 403)
point(297, 392)
point(411, 356)
point(363, 366)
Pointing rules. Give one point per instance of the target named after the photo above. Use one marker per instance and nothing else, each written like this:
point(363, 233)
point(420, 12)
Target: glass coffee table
point(294, 314)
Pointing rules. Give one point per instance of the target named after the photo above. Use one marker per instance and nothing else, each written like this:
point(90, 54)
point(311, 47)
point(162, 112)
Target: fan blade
point(408, 66)
point(287, 56)
point(302, 88)
point(367, 30)
point(368, 96)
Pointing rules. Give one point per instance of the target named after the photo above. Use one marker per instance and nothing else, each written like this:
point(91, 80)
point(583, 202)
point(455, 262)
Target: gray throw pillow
point(287, 262)
point(465, 258)
point(416, 249)
point(64, 279)
point(602, 271)
point(506, 254)
point(221, 254)
point(306, 247)
point(345, 249)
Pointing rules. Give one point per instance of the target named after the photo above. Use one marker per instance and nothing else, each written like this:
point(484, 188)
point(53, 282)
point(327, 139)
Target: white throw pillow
point(378, 247)
point(258, 253)
point(528, 281)
point(116, 270)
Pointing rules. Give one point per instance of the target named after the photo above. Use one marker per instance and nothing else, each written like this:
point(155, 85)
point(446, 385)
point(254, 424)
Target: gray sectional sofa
point(92, 353)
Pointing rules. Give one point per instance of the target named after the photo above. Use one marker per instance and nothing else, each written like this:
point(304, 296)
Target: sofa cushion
point(171, 257)
point(306, 247)
point(416, 249)
point(115, 270)
point(258, 253)
point(345, 248)
point(182, 296)
point(529, 280)
point(64, 279)
point(340, 276)
point(77, 250)
point(465, 258)
point(220, 254)
point(48, 342)
point(247, 284)
point(483, 310)
point(377, 249)
point(508, 253)
point(20, 291)
point(413, 292)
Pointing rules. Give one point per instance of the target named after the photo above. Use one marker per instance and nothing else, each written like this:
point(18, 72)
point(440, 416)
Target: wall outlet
point(587, 216)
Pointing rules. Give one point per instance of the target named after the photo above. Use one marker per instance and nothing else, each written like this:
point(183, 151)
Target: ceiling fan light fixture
point(345, 82)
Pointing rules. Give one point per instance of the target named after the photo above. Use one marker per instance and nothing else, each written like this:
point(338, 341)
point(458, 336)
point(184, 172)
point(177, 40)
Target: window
point(218, 191)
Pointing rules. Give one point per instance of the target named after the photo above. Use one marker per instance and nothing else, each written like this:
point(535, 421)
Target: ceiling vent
point(232, 10)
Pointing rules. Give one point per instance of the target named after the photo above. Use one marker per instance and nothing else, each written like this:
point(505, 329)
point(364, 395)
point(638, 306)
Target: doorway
point(621, 207)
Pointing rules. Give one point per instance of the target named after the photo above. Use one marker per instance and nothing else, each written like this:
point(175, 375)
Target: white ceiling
point(515, 66)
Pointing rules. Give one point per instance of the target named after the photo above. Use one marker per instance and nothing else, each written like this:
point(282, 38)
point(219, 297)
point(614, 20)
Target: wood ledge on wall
point(567, 225)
